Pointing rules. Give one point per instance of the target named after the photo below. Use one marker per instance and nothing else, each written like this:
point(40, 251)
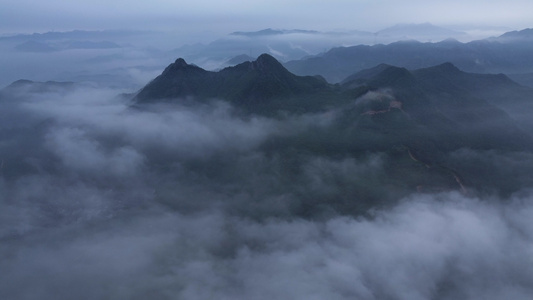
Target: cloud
point(77, 151)
point(188, 130)
point(443, 246)
point(198, 202)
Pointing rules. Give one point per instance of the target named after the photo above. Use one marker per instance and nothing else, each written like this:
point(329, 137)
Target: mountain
point(35, 46)
point(25, 87)
point(459, 109)
point(522, 78)
point(496, 89)
point(364, 75)
point(270, 31)
point(525, 34)
point(435, 113)
point(502, 55)
point(441, 105)
point(261, 86)
point(76, 35)
point(414, 124)
point(421, 32)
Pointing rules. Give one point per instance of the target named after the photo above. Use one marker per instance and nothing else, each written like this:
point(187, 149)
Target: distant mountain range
point(57, 41)
point(36, 46)
point(270, 31)
point(522, 35)
point(290, 44)
point(24, 87)
point(72, 35)
point(136, 49)
point(510, 53)
point(421, 32)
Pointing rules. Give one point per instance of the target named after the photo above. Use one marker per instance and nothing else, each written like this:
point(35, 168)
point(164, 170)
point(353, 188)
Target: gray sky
point(231, 15)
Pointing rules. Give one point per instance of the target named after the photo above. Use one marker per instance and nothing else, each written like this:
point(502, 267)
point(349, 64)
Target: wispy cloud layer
point(192, 202)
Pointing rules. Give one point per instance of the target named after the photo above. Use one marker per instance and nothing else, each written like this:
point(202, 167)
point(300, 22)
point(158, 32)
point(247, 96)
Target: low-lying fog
point(101, 200)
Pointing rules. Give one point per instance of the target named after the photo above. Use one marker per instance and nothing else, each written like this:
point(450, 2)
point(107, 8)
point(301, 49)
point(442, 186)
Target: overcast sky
point(226, 16)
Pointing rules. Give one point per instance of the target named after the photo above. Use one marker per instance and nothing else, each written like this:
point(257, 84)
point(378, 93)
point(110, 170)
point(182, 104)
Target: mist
point(117, 58)
point(102, 199)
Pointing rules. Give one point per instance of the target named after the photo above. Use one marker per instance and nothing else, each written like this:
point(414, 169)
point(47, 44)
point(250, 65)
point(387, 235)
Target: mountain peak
point(261, 86)
point(180, 62)
point(20, 82)
point(448, 67)
point(365, 74)
point(180, 65)
point(382, 75)
point(266, 62)
point(522, 34)
point(266, 57)
point(264, 32)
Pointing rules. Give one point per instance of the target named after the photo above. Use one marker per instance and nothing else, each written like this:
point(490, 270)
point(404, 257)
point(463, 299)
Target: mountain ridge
point(451, 103)
point(263, 84)
point(481, 56)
